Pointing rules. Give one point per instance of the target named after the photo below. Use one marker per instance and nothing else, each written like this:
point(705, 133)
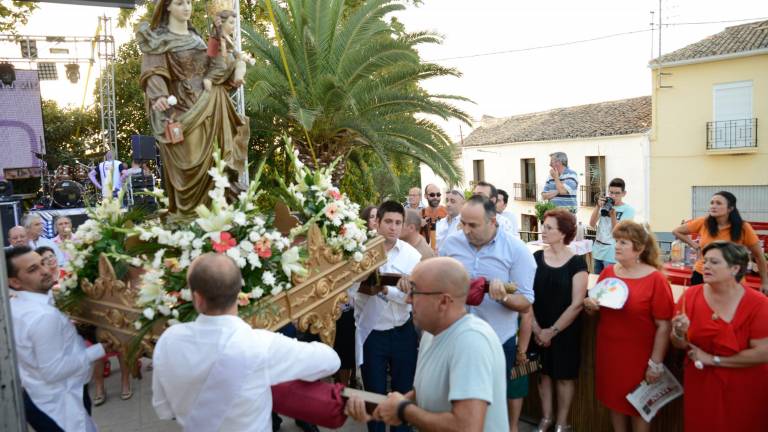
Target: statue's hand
point(207, 84)
point(161, 104)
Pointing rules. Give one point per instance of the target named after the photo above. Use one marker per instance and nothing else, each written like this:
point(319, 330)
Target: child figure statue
point(221, 46)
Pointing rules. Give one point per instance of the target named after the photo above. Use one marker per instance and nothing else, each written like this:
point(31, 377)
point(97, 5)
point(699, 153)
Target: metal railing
point(525, 191)
point(589, 195)
point(730, 134)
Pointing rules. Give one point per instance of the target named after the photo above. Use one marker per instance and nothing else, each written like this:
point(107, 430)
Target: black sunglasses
point(433, 194)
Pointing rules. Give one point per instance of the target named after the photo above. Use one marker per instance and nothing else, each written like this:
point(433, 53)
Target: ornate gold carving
point(314, 303)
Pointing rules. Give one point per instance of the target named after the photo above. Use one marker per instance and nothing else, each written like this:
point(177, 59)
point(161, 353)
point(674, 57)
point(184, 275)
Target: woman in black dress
point(560, 286)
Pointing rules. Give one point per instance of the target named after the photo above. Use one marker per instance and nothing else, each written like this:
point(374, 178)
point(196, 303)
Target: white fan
point(610, 292)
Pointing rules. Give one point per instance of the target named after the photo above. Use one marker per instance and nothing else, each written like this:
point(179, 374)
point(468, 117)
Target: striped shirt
point(570, 179)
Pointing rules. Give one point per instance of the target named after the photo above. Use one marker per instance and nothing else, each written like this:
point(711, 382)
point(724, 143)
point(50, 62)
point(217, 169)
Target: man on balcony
point(563, 183)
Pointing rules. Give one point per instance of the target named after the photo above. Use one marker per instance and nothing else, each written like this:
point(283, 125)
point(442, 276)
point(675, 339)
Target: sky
point(523, 82)
point(505, 84)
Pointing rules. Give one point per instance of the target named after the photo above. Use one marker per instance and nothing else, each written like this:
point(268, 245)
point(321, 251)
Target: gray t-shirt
point(465, 361)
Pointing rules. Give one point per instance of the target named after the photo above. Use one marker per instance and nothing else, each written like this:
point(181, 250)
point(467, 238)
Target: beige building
point(710, 126)
point(602, 141)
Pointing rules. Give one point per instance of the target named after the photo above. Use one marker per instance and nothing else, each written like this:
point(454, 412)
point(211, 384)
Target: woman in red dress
point(632, 341)
point(724, 327)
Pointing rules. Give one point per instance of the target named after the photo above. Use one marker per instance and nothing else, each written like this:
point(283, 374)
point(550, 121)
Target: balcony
point(525, 191)
point(589, 195)
point(732, 136)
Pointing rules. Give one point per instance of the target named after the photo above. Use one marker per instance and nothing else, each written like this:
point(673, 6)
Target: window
point(478, 170)
point(732, 125)
point(526, 189)
point(529, 228)
point(594, 180)
point(752, 201)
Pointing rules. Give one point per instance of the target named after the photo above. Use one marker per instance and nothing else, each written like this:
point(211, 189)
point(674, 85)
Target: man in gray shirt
point(460, 382)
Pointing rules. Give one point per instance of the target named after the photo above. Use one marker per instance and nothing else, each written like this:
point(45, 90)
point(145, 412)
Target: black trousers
point(40, 421)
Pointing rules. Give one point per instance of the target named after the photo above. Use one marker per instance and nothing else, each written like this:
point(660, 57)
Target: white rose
point(149, 313)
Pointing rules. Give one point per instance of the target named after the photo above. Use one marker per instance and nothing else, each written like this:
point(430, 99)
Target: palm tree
point(354, 85)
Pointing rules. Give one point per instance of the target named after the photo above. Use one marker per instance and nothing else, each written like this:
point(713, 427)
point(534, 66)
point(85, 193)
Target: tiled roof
point(621, 117)
point(736, 39)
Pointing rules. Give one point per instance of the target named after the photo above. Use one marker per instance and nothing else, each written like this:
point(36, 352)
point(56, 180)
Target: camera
point(605, 210)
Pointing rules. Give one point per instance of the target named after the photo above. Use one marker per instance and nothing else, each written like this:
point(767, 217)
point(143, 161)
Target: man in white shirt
point(215, 373)
point(454, 201)
point(33, 223)
point(54, 364)
point(107, 175)
point(502, 199)
point(489, 191)
point(386, 338)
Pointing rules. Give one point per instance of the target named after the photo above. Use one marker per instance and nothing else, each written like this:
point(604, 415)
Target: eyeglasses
point(413, 292)
point(433, 194)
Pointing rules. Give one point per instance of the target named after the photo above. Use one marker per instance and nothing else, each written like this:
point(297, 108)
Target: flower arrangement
point(323, 204)
point(268, 260)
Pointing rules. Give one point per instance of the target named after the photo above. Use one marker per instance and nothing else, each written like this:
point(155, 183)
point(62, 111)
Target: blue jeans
point(394, 350)
point(40, 421)
point(599, 265)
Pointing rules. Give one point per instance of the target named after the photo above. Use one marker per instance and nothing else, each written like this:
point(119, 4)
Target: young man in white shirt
point(54, 364)
point(215, 373)
point(386, 338)
point(454, 201)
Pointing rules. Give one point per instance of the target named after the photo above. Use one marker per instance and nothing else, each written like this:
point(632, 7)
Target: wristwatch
point(504, 299)
point(716, 360)
point(401, 410)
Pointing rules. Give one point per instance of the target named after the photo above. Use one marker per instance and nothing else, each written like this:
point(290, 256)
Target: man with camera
point(608, 212)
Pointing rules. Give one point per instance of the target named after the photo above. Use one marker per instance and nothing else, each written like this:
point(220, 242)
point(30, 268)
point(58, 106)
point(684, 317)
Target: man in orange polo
point(431, 214)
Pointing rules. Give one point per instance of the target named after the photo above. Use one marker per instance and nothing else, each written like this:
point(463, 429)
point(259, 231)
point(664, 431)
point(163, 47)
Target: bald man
point(17, 236)
point(215, 373)
point(411, 234)
point(460, 379)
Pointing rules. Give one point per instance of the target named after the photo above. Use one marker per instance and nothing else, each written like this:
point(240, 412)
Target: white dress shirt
point(185, 354)
point(444, 227)
point(42, 241)
point(54, 363)
point(508, 222)
point(401, 259)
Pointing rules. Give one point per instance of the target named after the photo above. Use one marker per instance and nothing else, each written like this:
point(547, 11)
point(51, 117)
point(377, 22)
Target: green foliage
point(542, 207)
point(14, 14)
point(356, 88)
point(70, 133)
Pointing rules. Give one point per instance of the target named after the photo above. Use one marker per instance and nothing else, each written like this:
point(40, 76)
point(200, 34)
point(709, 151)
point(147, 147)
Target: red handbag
point(318, 402)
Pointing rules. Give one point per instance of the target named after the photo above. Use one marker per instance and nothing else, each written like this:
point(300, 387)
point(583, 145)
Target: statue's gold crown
point(216, 6)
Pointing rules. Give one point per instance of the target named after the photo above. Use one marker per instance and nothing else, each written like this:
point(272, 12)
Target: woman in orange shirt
point(723, 223)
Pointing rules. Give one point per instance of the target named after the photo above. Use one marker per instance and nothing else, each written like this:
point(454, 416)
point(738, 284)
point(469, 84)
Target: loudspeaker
point(10, 216)
point(143, 147)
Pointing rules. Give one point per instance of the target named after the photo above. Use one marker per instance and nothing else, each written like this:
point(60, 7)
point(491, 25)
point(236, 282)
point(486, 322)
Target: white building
point(602, 141)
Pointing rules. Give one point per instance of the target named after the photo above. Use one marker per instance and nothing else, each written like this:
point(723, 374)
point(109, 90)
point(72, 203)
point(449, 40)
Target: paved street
point(136, 414)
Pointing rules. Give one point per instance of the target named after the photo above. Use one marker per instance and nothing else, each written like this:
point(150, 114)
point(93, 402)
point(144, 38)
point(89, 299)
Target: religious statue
point(220, 45)
point(188, 104)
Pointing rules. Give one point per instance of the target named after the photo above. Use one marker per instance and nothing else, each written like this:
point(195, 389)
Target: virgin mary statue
point(174, 67)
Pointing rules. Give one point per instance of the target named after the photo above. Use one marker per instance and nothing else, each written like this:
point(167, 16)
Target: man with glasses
point(487, 251)
point(604, 248)
point(386, 339)
point(454, 200)
point(432, 214)
point(460, 373)
point(414, 199)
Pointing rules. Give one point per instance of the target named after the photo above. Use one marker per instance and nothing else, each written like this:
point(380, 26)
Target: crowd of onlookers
point(462, 302)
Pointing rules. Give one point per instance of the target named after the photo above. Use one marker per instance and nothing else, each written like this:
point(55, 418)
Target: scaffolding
point(107, 56)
